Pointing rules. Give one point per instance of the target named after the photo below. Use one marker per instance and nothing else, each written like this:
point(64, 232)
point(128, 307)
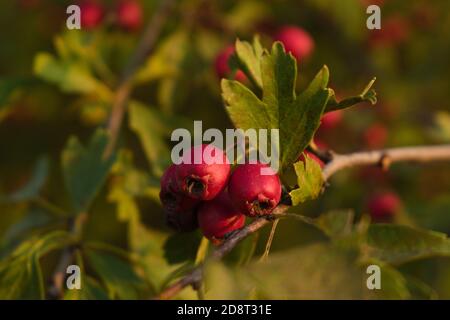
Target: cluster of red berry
point(206, 194)
point(128, 14)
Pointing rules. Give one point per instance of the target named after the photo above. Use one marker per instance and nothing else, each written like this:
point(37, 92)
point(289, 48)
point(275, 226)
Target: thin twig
point(269, 241)
point(146, 45)
point(56, 290)
point(386, 157)
point(195, 276)
point(337, 163)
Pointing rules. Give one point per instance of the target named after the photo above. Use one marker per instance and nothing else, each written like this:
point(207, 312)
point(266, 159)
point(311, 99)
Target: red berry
point(370, 2)
point(219, 217)
point(29, 4)
point(91, 14)
point(312, 156)
point(296, 41)
point(394, 30)
point(179, 209)
point(251, 192)
point(382, 207)
point(205, 179)
point(331, 119)
point(129, 14)
point(375, 136)
point(223, 69)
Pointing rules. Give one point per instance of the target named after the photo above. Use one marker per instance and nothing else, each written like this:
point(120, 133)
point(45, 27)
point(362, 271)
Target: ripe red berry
point(312, 156)
point(296, 41)
point(331, 119)
point(92, 14)
point(383, 207)
point(179, 209)
point(375, 136)
point(203, 173)
point(223, 69)
point(219, 217)
point(129, 14)
point(251, 192)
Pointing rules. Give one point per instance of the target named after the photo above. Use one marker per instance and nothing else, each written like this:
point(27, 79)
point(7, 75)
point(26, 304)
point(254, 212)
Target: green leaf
point(309, 179)
point(10, 85)
point(393, 284)
point(244, 16)
point(243, 106)
point(337, 223)
point(90, 290)
point(34, 219)
point(297, 118)
point(150, 246)
point(249, 56)
point(166, 60)
point(181, 247)
point(221, 282)
point(152, 129)
point(321, 272)
point(176, 65)
point(22, 279)
point(367, 95)
point(398, 244)
point(34, 185)
point(70, 76)
point(441, 127)
point(128, 184)
point(21, 274)
point(299, 123)
point(84, 168)
point(117, 274)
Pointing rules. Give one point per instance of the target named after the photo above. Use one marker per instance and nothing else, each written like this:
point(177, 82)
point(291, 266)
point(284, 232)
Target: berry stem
point(269, 241)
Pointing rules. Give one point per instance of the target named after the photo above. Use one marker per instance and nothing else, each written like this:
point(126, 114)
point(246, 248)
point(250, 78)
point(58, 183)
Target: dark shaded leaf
point(116, 273)
point(84, 169)
point(399, 244)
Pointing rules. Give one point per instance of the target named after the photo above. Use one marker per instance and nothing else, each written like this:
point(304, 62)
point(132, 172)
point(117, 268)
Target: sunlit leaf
point(309, 180)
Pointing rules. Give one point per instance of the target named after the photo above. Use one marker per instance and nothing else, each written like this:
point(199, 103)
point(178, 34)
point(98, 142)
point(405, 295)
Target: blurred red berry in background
point(29, 4)
point(331, 119)
point(394, 30)
point(382, 207)
point(129, 14)
point(375, 136)
point(296, 41)
point(223, 69)
point(367, 3)
point(92, 14)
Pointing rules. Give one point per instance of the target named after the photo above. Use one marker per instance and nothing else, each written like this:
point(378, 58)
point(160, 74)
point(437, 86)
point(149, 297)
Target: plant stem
point(146, 45)
point(338, 162)
point(269, 241)
point(386, 157)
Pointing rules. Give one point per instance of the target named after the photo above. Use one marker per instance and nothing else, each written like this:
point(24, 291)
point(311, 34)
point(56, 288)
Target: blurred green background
point(56, 83)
